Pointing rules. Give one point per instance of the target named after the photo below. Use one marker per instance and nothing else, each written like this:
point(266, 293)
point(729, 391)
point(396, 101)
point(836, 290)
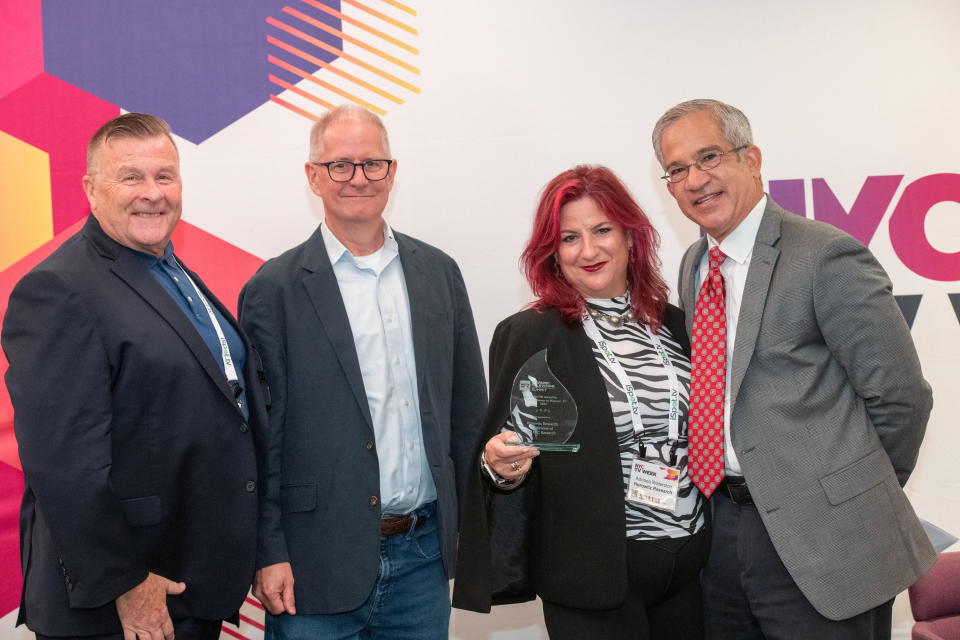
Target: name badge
point(654, 484)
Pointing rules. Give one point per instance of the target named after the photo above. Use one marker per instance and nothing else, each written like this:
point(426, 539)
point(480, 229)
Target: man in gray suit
point(815, 415)
point(372, 358)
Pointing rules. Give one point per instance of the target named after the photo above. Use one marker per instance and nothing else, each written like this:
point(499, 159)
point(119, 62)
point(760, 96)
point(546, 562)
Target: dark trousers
point(663, 596)
point(185, 629)
point(749, 595)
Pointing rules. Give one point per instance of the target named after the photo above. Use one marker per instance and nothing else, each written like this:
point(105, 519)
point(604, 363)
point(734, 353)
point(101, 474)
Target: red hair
point(648, 291)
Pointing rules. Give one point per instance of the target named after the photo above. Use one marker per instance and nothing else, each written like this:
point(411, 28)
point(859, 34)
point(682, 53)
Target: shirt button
point(406, 403)
point(189, 299)
point(244, 427)
point(373, 501)
point(369, 445)
point(251, 486)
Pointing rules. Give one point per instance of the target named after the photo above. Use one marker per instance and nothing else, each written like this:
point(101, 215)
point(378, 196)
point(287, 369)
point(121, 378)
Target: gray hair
point(339, 114)
point(128, 125)
point(733, 124)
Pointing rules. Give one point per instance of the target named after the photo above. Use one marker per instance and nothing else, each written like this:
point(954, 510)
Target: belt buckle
point(739, 493)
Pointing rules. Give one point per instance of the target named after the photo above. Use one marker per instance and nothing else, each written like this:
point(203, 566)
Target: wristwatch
point(496, 478)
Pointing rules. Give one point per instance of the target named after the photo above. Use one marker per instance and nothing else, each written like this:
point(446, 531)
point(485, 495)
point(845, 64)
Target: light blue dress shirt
point(374, 294)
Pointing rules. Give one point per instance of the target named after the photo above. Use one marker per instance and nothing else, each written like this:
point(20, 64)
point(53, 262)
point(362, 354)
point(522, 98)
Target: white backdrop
point(513, 92)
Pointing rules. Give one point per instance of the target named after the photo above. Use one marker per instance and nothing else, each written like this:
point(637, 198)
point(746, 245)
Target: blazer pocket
point(298, 497)
point(142, 512)
point(866, 473)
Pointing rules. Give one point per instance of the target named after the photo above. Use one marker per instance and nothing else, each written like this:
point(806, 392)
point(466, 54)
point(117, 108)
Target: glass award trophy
point(542, 412)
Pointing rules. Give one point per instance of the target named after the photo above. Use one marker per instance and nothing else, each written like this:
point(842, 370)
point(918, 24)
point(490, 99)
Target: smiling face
point(359, 201)
point(720, 198)
point(134, 191)
point(593, 251)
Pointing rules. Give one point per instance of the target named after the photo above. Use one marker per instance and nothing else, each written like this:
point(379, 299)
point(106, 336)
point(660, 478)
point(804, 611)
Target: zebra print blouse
point(633, 348)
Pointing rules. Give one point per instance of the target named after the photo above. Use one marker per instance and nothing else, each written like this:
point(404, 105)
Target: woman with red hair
point(610, 537)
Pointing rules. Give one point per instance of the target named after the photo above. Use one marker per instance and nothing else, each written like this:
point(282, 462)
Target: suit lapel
point(688, 280)
point(765, 254)
point(418, 293)
point(324, 292)
point(129, 269)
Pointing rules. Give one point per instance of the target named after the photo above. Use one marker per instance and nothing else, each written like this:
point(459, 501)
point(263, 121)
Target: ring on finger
point(515, 465)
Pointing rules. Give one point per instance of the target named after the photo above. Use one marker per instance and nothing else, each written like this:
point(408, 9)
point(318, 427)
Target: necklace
point(612, 319)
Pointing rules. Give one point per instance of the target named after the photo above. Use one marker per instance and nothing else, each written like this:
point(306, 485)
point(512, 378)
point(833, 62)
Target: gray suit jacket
point(322, 508)
point(828, 409)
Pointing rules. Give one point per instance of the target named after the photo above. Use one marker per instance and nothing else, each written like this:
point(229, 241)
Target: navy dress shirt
point(167, 272)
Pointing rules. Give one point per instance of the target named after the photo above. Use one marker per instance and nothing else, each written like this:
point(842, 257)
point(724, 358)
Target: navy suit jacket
point(135, 456)
point(322, 511)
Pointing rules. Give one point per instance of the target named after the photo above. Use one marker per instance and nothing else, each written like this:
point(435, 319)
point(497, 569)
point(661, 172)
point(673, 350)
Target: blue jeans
point(409, 601)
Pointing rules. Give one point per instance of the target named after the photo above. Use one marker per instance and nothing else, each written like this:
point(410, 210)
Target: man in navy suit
point(378, 392)
point(138, 414)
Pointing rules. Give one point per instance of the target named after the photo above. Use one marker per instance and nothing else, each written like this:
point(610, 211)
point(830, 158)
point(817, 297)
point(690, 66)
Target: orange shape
point(26, 211)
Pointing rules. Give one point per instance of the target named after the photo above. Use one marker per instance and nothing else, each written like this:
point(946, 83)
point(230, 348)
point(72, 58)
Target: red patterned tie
point(708, 379)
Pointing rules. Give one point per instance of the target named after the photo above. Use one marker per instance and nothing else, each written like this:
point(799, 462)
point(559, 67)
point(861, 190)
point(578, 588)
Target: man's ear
point(88, 188)
point(313, 174)
point(754, 158)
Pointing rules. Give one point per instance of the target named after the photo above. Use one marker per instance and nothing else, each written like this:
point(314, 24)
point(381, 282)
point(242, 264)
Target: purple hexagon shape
point(200, 65)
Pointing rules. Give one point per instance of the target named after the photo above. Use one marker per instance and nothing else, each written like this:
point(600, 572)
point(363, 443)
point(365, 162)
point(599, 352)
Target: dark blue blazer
point(323, 489)
point(135, 457)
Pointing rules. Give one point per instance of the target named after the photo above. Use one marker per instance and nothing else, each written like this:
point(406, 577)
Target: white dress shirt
point(738, 247)
point(375, 296)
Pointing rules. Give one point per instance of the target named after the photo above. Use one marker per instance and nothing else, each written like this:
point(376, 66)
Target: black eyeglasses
point(343, 171)
point(706, 162)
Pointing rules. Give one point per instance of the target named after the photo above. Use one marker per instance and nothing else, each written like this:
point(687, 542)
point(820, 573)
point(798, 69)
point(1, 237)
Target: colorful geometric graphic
point(24, 188)
point(199, 65)
point(305, 34)
point(11, 488)
point(21, 47)
point(70, 66)
point(56, 117)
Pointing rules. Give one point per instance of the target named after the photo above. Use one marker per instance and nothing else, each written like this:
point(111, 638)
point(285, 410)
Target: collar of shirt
point(151, 260)
point(337, 252)
point(738, 245)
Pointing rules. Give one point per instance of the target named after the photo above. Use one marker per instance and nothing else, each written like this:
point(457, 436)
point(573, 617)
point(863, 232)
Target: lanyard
point(228, 367)
point(673, 418)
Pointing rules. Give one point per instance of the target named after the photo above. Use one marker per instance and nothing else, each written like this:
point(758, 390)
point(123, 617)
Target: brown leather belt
point(392, 525)
point(735, 488)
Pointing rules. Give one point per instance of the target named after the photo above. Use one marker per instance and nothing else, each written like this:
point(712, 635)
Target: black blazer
point(560, 535)
point(323, 498)
point(135, 456)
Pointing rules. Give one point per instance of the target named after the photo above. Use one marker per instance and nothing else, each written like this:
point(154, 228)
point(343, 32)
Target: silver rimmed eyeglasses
point(343, 171)
point(707, 161)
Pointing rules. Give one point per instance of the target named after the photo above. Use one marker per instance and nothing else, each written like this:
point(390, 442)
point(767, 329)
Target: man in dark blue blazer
point(377, 392)
point(138, 413)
